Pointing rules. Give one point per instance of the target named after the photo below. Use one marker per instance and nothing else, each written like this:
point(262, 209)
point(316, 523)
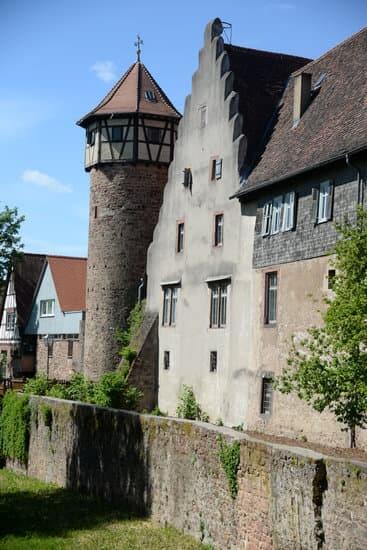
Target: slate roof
point(260, 80)
point(128, 96)
point(27, 271)
point(69, 276)
point(334, 123)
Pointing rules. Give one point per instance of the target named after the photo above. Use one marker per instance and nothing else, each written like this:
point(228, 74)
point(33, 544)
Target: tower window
point(154, 134)
point(116, 133)
point(166, 360)
point(213, 361)
point(180, 236)
point(218, 229)
point(266, 395)
point(95, 212)
point(150, 95)
point(91, 137)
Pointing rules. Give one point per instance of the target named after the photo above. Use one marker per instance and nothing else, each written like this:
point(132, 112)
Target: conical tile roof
point(131, 95)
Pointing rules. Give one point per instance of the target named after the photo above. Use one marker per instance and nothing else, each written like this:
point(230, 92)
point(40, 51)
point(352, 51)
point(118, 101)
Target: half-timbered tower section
point(199, 264)
point(311, 175)
point(130, 139)
point(18, 351)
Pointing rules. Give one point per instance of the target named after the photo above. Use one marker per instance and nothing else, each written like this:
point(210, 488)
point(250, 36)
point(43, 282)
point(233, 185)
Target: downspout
point(140, 288)
point(360, 180)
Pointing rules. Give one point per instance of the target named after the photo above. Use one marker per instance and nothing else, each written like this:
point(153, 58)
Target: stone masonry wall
point(124, 207)
point(288, 498)
point(60, 366)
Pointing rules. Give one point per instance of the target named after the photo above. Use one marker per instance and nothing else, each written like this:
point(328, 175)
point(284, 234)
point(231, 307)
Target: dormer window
point(150, 95)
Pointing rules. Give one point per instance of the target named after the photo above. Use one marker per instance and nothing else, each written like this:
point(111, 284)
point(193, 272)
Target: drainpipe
point(140, 288)
point(360, 181)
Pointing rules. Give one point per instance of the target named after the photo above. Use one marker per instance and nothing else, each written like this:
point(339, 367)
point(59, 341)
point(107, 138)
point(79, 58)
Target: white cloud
point(105, 70)
point(44, 180)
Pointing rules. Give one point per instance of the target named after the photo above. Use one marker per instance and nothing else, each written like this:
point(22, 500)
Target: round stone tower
point(130, 138)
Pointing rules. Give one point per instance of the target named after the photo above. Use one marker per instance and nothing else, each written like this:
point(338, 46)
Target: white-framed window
point(276, 215)
point(47, 308)
point(322, 202)
point(218, 305)
point(170, 296)
point(279, 214)
point(288, 211)
point(10, 320)
point(216, 169)
point(271, 294)
point(218, 229)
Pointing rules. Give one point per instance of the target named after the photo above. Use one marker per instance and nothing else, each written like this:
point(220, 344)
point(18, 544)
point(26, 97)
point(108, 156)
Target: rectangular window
point(187, 181)
point(276, 215)
point(213, 361)
point(288, 211)
point(218, 229)
point(10, 320)
point(266, 395)
point(271, 290)
point(166, 360)
point(50, 348)
point(70, 349)
point(47, 308)
point(218, 305)
point(170, 297)
point(266, 222)
point(116, 133)
point(322, 202)
point(153, 134)
point(216, 169)
point(180, 236)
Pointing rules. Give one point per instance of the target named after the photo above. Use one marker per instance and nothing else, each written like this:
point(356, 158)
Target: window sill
point(51, 315)
point(269, 325)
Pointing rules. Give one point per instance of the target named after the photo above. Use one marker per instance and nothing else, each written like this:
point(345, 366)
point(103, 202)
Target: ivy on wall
point(15, 426)
point(229, 455)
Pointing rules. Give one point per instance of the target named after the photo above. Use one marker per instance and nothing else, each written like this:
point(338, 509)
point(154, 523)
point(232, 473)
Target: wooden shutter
point(315, 204)
point(330, 201)
point(292, 197)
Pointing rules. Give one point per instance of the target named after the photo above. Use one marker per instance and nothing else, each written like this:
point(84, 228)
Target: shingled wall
point(288, 498)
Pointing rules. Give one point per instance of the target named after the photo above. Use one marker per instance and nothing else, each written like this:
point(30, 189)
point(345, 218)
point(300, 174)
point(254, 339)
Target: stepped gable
point(27, 271)
point(69, 275)
point(335, 122)
point(260, 78)
point(128, 96)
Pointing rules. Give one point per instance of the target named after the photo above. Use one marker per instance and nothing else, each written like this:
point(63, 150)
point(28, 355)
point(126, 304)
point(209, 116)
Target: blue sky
point(60, 57)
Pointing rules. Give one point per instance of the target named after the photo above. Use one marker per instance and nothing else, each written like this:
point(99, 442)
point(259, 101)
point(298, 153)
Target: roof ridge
point(266, 52)
point(331, 51)
point(65, 257)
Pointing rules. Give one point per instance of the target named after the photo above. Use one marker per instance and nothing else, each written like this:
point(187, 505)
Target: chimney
point(302, 95)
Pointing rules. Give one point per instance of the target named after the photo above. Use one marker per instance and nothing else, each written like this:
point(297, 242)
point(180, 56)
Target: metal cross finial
point(138, 43)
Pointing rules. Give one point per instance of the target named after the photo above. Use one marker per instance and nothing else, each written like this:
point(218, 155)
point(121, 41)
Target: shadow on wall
point(109, 457)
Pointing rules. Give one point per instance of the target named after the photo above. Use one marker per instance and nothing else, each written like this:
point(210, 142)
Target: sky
point(59, 58)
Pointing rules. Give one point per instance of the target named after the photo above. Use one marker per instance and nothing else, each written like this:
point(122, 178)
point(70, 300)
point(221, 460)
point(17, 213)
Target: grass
point(36, 515)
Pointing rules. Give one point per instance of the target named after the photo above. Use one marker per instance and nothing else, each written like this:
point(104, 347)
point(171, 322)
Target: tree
point(328, 369)
point(10, 241)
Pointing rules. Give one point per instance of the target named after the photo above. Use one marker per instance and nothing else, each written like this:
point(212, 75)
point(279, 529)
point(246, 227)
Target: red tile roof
point(128, 96)
point(334, 123)
point(69, 275)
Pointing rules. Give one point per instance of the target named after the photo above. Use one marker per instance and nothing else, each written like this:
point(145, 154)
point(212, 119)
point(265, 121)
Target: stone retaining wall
point(170, 468)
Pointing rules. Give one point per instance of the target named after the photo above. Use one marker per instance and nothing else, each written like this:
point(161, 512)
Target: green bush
point(229, 455)
point(125, 337)
point(113, 390)
point(79, 389)
point(14, 426)
point(38, 385)
point(188, 407)
point(46, 412)
point(57, 390)
point(156, 412)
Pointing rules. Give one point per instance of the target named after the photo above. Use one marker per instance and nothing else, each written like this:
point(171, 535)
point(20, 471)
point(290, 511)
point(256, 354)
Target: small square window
point(266, 395)
point(70, 349)
point(166, 360)
point(154, 134)
point(218, 229)
point(213, 361)
point(180, 236)
point(331, 279)
point(150, 95)
point(116, 133)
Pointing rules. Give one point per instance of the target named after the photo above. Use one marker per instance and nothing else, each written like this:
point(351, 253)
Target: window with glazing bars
point(266, 396)
point(271, 290)
point(170, 295)
point(218, 305)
